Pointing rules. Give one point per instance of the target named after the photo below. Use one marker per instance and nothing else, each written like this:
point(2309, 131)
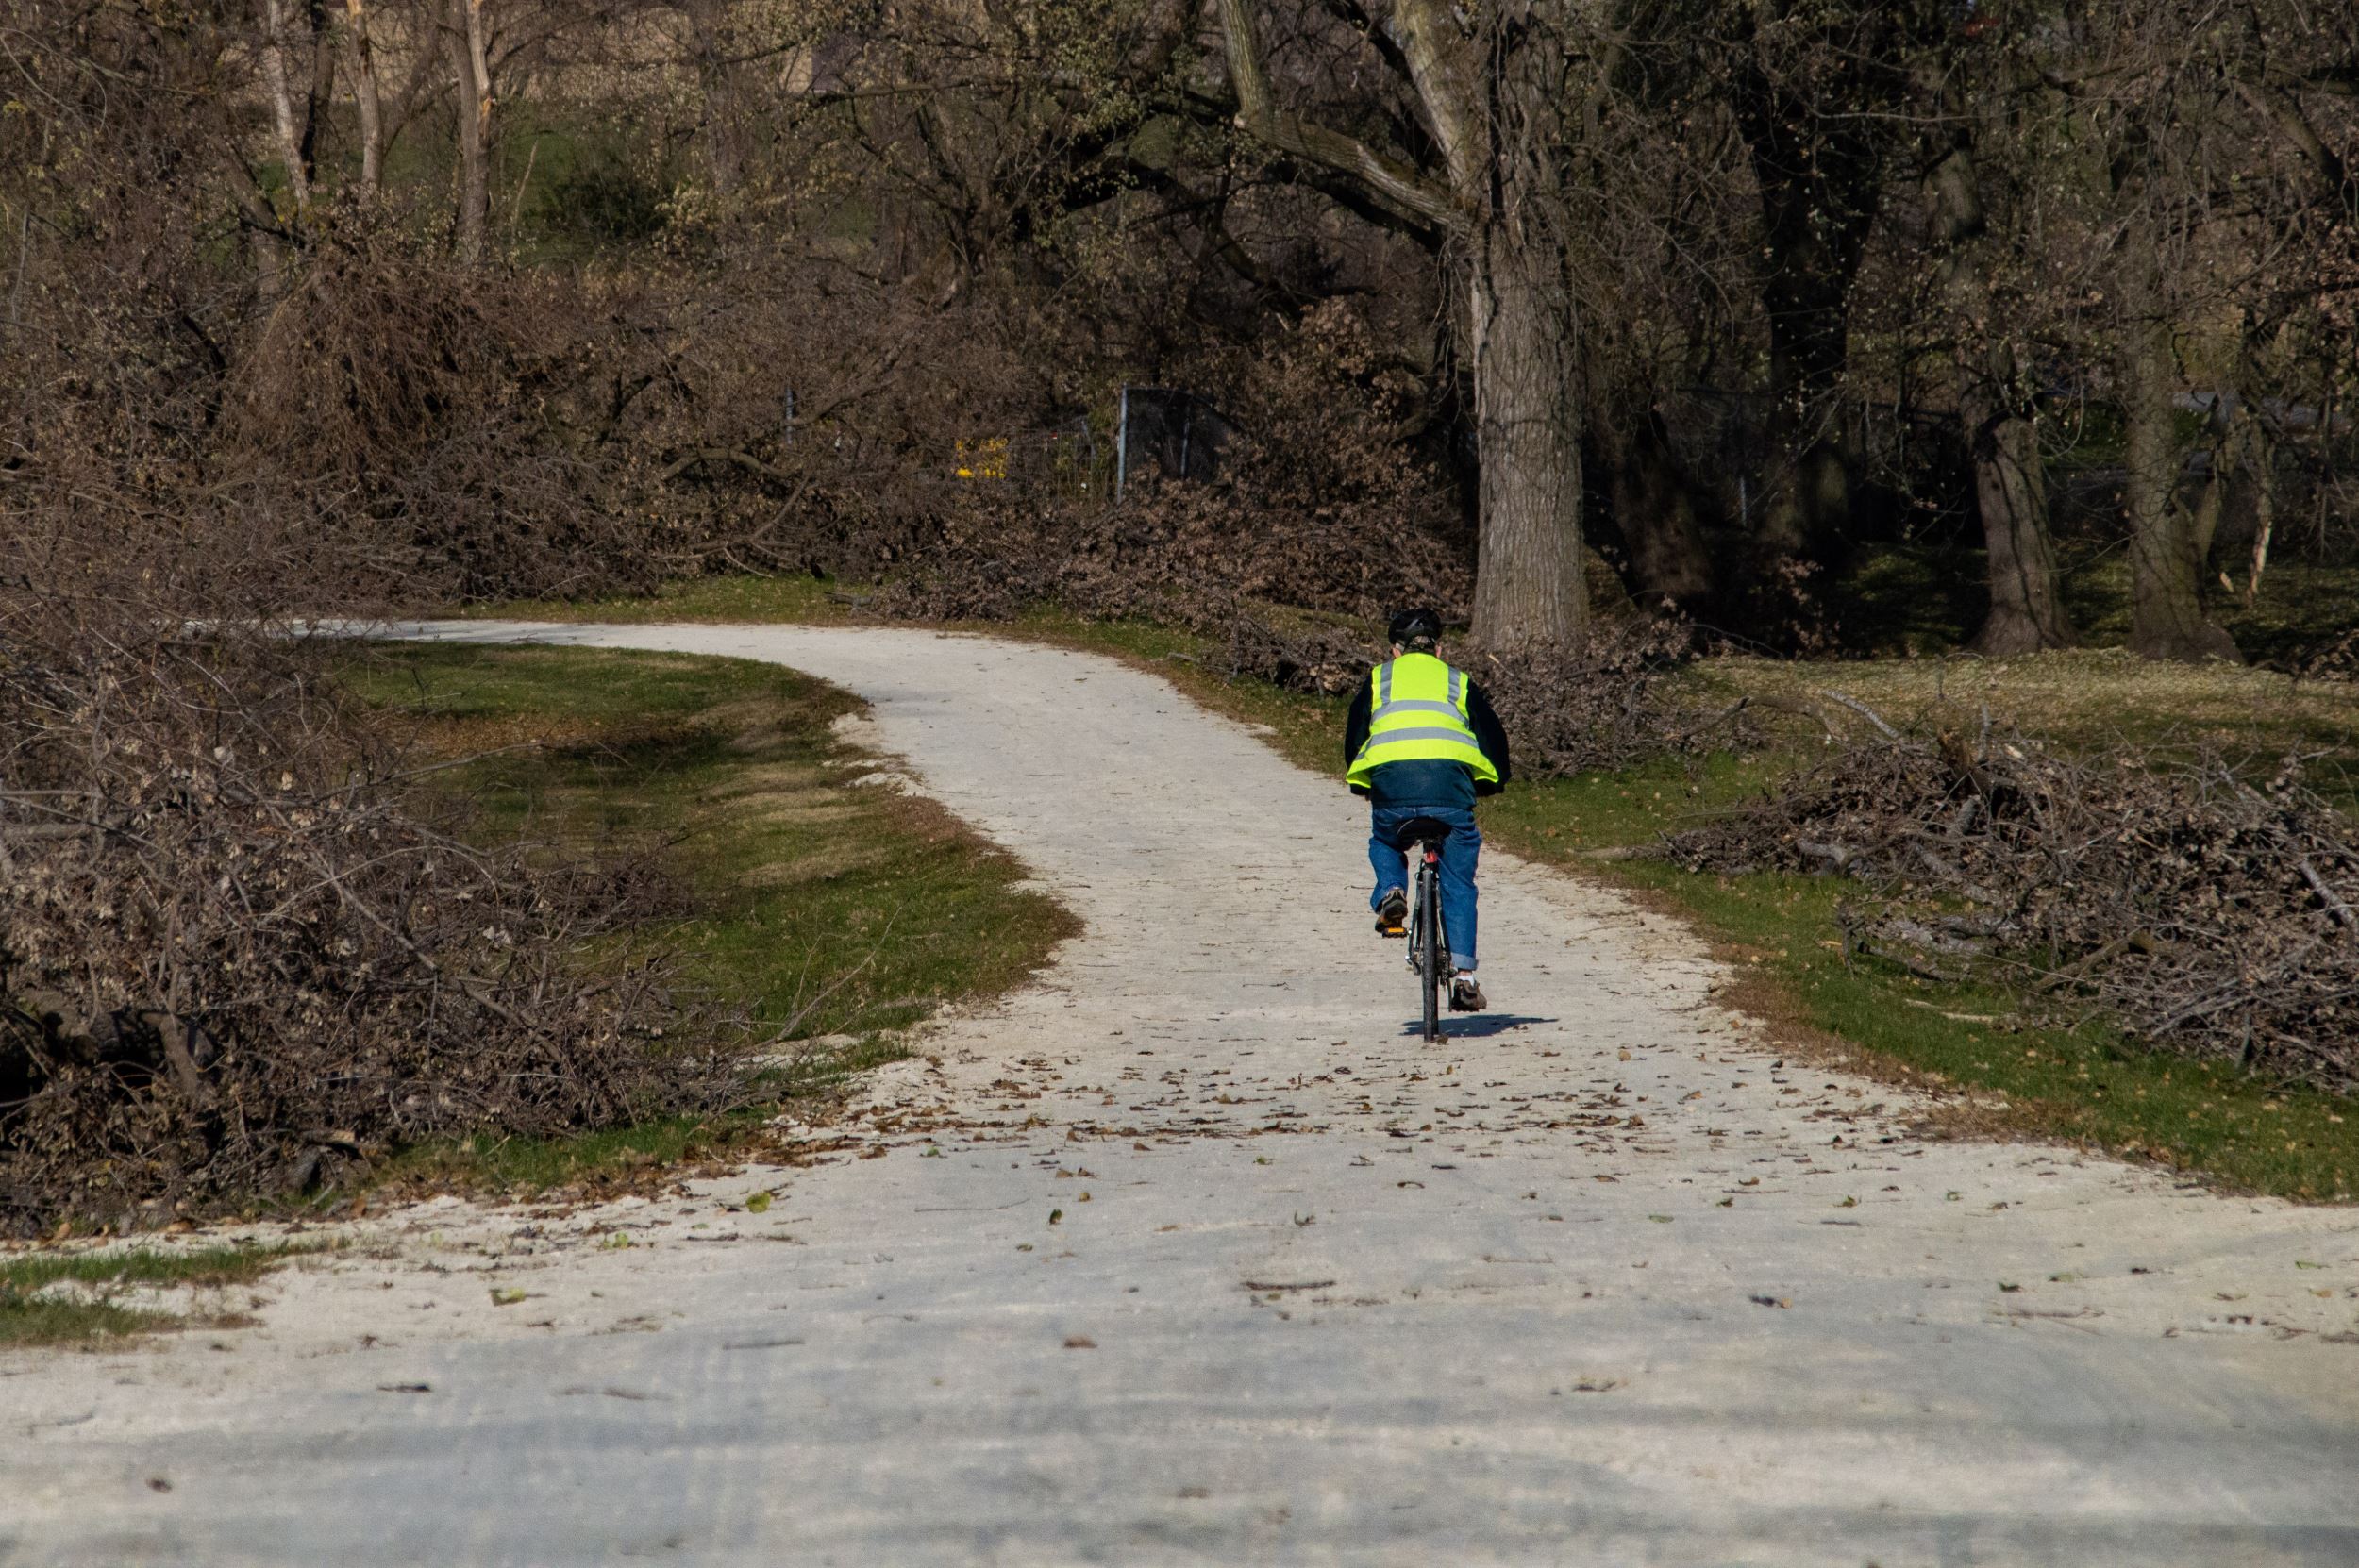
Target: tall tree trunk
point(322, 89)
point(1491, 96)
point(465, 43)
point(1820, 180)
point(725, 102)
point(1529, 586)
point(2003, 442)
point(2026, 612)
point(293, 135)
point(364, 94)
point(2167, 618)
point(1806, 504)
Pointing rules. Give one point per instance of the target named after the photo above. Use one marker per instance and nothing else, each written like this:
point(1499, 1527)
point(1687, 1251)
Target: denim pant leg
point(1459, 856)
point(1389, 865)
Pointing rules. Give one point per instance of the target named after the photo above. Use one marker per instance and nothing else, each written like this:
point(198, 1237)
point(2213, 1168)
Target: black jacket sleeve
point(1490, 735)
point(1356, 733)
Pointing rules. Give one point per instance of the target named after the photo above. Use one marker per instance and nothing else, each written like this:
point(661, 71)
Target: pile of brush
point(2213, 913)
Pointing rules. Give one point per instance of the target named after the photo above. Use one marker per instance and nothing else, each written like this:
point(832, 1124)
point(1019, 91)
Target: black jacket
point(1489, 734)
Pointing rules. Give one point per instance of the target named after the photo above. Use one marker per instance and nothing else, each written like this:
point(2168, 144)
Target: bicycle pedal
point(1390, 932)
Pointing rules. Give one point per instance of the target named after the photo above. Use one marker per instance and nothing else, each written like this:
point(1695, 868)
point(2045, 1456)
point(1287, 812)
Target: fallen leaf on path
point(1080, 1342)
point(1769, 1301)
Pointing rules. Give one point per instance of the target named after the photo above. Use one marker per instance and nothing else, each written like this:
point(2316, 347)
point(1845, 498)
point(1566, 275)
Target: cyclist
point(1422, 742)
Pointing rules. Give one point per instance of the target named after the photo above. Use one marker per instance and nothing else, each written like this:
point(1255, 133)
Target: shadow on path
point(1476, 1026)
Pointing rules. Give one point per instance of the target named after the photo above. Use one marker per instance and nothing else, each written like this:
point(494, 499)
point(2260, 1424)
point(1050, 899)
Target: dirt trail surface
point(1195, 1254)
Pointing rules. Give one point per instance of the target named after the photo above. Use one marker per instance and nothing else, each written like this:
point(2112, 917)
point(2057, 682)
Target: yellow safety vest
point(1417, 712)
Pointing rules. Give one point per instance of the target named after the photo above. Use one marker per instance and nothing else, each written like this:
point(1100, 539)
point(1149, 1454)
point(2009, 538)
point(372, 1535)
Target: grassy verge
point(2092, 700)
point(2084, 1084)
point(34, 1313)
point(834, 913)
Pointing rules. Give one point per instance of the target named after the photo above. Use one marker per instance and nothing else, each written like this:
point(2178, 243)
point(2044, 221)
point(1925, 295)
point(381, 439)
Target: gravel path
point(1193, 1253)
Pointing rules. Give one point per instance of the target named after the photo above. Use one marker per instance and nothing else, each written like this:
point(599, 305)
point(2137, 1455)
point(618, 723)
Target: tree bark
point(2026, 612)
point(1529, 577)
point(2166, 616)
point(364, 91)
point(463, 41)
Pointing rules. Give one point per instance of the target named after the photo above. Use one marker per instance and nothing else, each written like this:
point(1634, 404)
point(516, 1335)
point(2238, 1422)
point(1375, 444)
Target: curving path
point(1193, 1253)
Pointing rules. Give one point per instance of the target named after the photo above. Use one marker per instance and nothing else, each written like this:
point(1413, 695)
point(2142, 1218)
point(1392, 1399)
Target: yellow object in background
point(986, 459)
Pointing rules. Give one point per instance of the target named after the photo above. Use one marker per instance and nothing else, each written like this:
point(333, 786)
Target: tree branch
point(1393, 185)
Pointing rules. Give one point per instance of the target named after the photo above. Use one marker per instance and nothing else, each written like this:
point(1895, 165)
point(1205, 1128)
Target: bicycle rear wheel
point(1429, 975)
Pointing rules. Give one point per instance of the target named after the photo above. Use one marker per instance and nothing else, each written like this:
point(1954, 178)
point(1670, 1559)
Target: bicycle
point(1428, 940)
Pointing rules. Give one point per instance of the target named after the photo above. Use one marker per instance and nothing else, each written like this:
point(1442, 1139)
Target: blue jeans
point(1460, 852)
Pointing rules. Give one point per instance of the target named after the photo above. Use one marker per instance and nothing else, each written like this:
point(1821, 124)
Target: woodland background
point(1619, 330)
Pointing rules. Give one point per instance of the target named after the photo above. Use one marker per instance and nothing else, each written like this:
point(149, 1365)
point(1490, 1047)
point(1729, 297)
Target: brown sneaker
point(1466, 997)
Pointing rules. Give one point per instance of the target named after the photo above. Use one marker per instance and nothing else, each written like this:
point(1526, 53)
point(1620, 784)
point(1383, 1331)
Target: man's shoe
point(1392, 914)
point(1466, 997)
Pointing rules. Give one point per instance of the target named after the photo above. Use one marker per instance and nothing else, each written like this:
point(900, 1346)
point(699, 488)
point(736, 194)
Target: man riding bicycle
point(1422, 742)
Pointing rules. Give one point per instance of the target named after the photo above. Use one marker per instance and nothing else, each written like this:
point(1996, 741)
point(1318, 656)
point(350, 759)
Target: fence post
point(1122, 442)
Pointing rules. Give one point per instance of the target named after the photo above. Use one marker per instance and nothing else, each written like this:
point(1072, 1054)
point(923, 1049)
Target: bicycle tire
point(1429, 931)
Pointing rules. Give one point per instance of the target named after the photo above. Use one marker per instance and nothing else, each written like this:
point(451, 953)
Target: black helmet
point(1411, 627)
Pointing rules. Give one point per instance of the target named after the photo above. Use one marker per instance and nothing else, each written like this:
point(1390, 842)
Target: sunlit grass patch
point(828, 913)
point(34, 1313)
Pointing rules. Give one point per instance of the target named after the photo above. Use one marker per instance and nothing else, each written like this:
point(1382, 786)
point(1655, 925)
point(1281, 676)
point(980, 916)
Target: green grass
point(92, 1315)
point(829, 911)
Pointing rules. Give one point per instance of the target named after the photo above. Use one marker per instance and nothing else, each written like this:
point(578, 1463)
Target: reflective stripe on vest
point(1417, 712)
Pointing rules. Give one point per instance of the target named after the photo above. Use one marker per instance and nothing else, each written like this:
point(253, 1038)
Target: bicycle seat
point(1419, 831)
